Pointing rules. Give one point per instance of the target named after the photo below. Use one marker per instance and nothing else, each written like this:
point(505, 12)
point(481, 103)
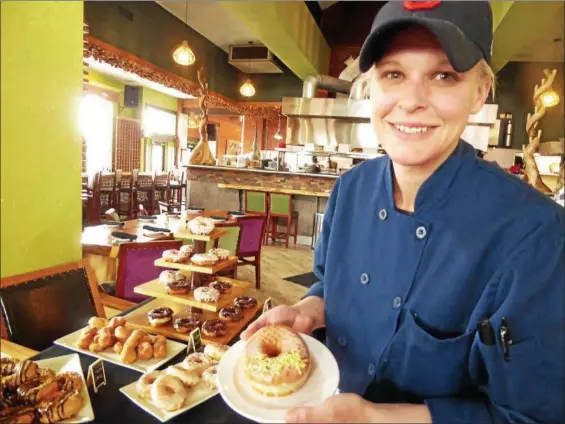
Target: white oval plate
point(322, 383)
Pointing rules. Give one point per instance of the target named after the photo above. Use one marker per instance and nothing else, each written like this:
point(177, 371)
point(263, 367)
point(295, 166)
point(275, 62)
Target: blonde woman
point(441, 277)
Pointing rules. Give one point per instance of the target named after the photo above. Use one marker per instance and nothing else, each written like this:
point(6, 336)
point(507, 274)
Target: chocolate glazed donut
point(160, 313)
point(223, 288)
point(245, 302)
point(232, 314)
point(186, 325)
point(215, 328)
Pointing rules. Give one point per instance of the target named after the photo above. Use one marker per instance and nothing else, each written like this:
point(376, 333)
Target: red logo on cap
point(419, 5)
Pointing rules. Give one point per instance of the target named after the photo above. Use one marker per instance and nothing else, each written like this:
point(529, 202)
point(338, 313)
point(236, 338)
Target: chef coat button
point(371, 369)
point(396, 302)
point(382, 214)
point(364, 278)
point(342, 341)
point(421, 232)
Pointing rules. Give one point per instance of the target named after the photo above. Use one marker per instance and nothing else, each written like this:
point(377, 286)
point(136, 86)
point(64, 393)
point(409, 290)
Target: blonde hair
point(362, 85)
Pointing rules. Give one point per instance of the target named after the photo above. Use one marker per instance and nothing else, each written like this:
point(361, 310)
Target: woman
point(441, 277)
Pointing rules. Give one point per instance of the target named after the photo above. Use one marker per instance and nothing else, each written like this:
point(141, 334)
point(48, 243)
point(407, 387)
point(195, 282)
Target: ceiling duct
point(253, 59)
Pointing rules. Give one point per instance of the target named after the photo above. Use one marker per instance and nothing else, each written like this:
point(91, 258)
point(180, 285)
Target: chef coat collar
point(436, 186)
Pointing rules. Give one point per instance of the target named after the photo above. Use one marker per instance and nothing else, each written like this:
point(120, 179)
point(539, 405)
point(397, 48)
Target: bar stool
point(176, 188)
point(257, 203)
point(280, 206)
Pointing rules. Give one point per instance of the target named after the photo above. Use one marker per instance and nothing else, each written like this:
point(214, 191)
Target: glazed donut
point(189, 378)
point(97, 322)
point(222, 254)
point(200, 225)
point(277, 361)
point(160, 347)
point(204, 259)
point(245, 302)
point(160, 316)
point(180, 286)
point(232, 314)
point(186, 324)
point(215, 351)
point(214, 328)
point(206, 294)
point(143, 385)
point(118, 347)
point(116, 322)
point(223, 288)
point(172, 255)
point(210, 377)
point(168, 393)
point(198, 362)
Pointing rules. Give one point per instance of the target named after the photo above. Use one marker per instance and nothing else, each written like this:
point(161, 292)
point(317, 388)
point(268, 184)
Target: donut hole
point(271, 350)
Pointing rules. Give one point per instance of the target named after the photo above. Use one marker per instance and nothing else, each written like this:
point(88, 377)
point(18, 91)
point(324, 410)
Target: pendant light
point(247, 89)
point(183, 54)
point(278, 135)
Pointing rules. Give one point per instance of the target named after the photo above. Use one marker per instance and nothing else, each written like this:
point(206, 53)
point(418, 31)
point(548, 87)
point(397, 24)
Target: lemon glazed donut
point(143, 385)
point(277, 361)
point(215, 351)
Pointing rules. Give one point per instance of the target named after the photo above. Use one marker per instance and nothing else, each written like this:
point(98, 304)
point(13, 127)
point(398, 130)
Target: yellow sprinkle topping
point(274, 366)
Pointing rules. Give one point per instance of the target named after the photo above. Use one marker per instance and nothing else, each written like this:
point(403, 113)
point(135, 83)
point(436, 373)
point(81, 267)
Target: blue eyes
point(439, 76)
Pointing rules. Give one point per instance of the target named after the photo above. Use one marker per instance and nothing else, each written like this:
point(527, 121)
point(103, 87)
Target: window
point(96, 122)
point(159, 122)
point(157, 157)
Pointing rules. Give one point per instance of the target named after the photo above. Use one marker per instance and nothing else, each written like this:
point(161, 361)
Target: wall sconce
point(550, 98)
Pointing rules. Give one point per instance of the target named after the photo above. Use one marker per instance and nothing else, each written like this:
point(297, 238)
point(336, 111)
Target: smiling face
point(420, 105)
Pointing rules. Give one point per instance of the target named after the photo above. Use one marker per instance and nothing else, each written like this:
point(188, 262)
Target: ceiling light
point(550, 98)
point(247, 89)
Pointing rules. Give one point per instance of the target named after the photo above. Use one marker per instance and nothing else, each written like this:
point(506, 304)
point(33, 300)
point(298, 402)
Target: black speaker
point(131, 96)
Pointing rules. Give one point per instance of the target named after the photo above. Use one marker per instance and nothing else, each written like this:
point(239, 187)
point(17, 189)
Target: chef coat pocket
point(425, 364)
point(505, 380)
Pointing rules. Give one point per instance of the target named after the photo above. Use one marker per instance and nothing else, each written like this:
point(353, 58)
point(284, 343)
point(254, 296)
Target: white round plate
point(322, 383)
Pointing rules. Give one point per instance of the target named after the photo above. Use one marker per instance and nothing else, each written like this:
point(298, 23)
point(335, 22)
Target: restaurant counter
point(217, 187)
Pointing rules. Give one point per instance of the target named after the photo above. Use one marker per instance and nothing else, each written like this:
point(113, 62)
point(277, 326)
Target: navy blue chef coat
point(404, 292)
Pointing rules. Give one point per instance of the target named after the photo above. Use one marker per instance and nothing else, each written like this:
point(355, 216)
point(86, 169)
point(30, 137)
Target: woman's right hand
point(290, 316)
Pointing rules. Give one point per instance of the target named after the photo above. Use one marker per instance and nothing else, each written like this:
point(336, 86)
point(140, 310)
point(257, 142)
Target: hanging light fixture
point(183, 54)
point(550, 98)
point(247, 89)
point(278, 135)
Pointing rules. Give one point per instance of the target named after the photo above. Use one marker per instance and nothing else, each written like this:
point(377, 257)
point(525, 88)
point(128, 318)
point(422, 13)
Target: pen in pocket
point(486, 332)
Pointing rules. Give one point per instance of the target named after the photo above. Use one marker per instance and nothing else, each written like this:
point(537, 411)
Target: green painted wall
point(155, 98)
point(150, 32)
point(41, 143)
point(110, 83)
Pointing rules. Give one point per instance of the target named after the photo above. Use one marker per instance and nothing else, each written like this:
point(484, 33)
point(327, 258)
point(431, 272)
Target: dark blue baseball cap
point(463, 28)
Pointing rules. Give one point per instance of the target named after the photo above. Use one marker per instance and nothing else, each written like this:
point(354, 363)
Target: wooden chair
point(38, 307)
point(145, 191)
point(126, 186)
point(136, 266)
point(280, 206)
point(257, 203)
point(176, 188)
point(161, 187)
point(252, 232)
point(107, 185)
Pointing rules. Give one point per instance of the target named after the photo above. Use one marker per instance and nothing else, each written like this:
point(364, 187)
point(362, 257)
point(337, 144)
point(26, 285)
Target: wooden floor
point(278, 263)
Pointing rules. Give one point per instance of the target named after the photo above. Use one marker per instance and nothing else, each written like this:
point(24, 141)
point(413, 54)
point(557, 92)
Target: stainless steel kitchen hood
point(350, 109)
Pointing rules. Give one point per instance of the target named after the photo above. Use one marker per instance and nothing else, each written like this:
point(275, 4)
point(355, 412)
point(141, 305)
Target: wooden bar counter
point(216, 187)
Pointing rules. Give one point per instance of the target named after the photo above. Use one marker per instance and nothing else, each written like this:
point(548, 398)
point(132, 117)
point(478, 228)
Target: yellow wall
point(109, 83)
point(41, 143)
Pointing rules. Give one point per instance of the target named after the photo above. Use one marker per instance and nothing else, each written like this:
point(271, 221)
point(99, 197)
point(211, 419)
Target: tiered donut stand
point(185, 304)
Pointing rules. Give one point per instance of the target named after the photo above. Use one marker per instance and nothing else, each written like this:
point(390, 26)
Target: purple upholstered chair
point(135, 266)
point(250, 240)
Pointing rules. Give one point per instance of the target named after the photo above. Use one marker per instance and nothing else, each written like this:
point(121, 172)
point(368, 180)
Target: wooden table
point(12, 350)
point(97, 243)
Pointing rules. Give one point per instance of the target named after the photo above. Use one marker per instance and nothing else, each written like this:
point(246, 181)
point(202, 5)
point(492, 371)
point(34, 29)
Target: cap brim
point(462, 53)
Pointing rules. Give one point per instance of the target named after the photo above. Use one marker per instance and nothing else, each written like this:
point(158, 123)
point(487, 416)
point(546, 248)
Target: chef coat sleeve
point(529, 388)
point(321, 252)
